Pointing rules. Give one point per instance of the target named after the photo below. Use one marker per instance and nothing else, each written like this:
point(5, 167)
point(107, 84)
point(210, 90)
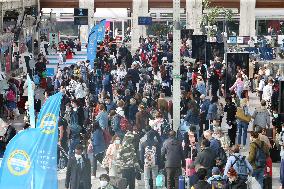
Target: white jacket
point(267, 92)
point(80, 91)
point(261, 85)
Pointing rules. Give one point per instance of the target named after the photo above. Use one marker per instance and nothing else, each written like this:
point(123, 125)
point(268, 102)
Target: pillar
point(194, 15)
point(84, 30)
point(176, 66)
point(247, 18)
point(139, 8)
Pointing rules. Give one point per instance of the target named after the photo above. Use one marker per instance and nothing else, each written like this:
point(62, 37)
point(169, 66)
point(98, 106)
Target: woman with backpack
point(99, 146)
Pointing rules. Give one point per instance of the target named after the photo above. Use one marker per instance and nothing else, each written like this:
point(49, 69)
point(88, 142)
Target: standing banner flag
point(101, 31)
point(46, 159)
point(30, 159)
point(31, 99)
point(92, 45)
point(17, 168)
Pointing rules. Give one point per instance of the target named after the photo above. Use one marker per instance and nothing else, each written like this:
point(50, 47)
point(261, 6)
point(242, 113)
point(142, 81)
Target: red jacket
point(268, 170)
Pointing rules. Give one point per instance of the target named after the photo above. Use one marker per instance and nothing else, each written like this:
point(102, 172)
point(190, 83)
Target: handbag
point(240, 115)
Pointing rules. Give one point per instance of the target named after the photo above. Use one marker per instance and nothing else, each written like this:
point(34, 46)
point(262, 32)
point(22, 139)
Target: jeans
point(172, 177)
point(73, 143)
point(98, 157)
point(239, 92)
point(129, 174)
point(242, 127)
point(259, 175)
point(282, 172)
point(147, 175)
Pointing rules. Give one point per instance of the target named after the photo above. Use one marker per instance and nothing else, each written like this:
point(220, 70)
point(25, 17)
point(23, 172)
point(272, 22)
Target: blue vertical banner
point(31, 99)
point(101, 31)
point(30, 159)
point(46, 159)
point(92, 45)
point(17, 168)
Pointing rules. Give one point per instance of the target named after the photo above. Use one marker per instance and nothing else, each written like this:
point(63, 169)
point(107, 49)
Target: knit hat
point(215, 171)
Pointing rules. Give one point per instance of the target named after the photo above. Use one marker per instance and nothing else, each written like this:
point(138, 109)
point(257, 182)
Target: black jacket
point(238, 184)
point(172, 151)
point(202, 184)
point(75, 174)
point(206, 158)
point(231, 110)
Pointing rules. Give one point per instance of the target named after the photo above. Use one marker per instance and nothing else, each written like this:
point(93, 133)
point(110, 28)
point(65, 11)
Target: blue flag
point(92, 45)
point(46, 159)
point(31, 101)
point(17, 168)
point(101, 31)
point(30, 159)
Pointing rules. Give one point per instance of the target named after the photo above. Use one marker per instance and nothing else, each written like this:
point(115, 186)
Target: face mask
point(117, 141)
point(78, 156)
point(275, 115)
point(231, 179)
point(103, 183)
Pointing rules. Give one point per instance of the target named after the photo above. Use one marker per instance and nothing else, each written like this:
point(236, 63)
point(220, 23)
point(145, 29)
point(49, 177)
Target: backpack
point(150, 156)
point(240, 165)
point(124, 124)
point(260, 158)
point(218, 183)
point(11, 96)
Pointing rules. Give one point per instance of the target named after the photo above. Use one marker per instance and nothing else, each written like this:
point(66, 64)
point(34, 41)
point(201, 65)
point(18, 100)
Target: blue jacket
point(212, 112)
point(204, 106)
point(110, 106)
point(192, 118)
point(215, 145)
point(230, 162)
point(102, 118)
point(201, 88)
point(132, 110)
point(98, 142)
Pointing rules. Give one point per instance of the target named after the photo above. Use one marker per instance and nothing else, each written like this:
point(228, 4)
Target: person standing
point(243, 125)
point(78, 175)
point(261, 116)
point(172, 151)
point(99, 146)
point(231, 110)
point(127, 161)
point(258, 153)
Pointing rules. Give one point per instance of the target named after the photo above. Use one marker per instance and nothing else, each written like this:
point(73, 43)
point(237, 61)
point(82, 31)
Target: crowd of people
point(119, 113)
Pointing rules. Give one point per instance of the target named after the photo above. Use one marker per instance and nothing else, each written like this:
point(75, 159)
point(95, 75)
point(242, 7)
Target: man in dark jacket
point(206, 157)
point(172, 151)
point(78, 175)
point(231, 110)
point(142, 118)
point(202, 183)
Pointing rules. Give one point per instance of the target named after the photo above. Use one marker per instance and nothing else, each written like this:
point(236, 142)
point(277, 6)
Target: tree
point(159, 29)
point(210, 18)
